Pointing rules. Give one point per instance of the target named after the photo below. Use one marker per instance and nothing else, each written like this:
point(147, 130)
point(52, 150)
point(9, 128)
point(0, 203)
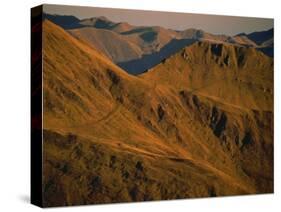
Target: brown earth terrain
point(199, 124)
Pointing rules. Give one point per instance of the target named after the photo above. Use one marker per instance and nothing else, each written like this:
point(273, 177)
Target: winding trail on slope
point(102, 120)
point(109, 115)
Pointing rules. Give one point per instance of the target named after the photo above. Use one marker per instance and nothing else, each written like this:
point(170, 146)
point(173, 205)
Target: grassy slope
point(111, 137)
point(116, 47)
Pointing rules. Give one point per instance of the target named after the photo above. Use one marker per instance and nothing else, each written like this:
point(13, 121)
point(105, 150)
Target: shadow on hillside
point(146, 62)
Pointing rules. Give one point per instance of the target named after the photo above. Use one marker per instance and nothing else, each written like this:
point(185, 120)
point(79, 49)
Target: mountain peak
point(122, 27)
point(225, 55)
point(261, 36)
point(216, 56)
point(98, 22)
point(103, 18)
point(65, 21)
point(241, 34)
point(192, 33)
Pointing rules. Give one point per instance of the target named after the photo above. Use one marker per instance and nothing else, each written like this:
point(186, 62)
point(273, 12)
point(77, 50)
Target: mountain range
point(139, 48)
point(196, 120)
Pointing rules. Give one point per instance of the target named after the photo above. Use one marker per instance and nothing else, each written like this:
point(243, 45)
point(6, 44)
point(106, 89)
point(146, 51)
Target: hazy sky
point(230, 25)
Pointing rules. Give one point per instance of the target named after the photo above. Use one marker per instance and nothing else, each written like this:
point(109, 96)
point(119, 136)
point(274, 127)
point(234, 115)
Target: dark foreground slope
point(113, 137)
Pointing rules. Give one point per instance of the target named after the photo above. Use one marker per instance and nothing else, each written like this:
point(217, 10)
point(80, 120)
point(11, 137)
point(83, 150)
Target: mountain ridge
point(149, 40)
point(113, 137)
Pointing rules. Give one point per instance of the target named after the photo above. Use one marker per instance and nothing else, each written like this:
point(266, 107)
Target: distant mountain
point(98, 22)
point(198, 124)
point(113, 45)
point(122, 27)
point(147, 61)
point(139, 48)
point(261, 37)
point(264, 41)
point(65, 21)
point(133, 48)
point(205, 36)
